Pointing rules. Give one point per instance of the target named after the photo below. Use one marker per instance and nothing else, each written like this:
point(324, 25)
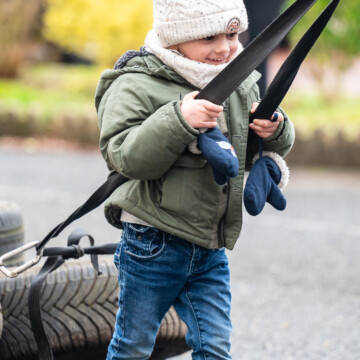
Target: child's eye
point(232, 35)
point(208, 38)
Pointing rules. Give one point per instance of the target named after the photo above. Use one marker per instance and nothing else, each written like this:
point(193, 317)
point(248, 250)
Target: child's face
point(214, 50)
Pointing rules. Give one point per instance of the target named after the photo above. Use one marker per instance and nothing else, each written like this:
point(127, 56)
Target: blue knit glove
point(261, 186)
point(220, 154)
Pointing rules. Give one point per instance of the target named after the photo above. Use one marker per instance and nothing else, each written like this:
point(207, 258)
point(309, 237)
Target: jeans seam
point(121, 293)
point(122, 289)
point(192, 259)
point(197, 323)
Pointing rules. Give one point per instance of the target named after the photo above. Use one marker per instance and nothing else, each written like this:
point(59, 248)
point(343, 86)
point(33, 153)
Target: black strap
point(95, 200)
point(289, 69)
point(41, 338)
point(228, 80)
point(75, 252)
point(56, 257)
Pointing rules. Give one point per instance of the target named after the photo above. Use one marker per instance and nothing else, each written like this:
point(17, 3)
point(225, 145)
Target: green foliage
point(48, 91)
point(100, 30)
point(336, 48)
point(310, 111)
point(339, 43)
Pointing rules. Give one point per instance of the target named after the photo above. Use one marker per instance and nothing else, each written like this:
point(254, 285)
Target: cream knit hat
point(177, 21)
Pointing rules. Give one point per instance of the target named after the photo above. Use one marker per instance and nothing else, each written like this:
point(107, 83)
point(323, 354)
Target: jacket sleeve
point(283, 139)
point(136, 139)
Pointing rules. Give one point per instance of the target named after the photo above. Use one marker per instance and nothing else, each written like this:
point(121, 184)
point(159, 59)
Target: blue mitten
point(220, 154)
point(262, 184)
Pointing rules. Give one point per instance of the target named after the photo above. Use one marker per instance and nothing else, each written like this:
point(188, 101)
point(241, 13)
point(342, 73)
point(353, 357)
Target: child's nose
point(222, 46)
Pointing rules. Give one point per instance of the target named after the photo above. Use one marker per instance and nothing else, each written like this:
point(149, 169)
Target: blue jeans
point(158, 270)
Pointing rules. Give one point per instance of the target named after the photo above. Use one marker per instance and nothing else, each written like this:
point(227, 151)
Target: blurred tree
point(20, 29)
point(96, 29)
point(338, 45)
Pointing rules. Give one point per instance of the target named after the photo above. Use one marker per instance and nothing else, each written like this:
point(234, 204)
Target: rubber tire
point(11, 231)
point(78, 309)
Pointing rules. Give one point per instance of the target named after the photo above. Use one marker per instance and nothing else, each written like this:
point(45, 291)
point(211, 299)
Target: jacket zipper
point(221, 235)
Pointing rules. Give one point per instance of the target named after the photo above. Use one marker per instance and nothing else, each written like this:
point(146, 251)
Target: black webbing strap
point(228, 80)
point(37, 325)
point(289, 69)
point(57, 257)
point(95, 200)
point(75, 252)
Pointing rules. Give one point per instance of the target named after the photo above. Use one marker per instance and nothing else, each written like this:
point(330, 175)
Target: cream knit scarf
point(196, 73)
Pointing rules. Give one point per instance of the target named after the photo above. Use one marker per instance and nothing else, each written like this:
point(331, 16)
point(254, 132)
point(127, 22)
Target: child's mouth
point(218, 61)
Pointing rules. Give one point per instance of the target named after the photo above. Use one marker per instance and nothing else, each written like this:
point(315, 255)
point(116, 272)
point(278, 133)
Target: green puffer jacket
point(145, 137)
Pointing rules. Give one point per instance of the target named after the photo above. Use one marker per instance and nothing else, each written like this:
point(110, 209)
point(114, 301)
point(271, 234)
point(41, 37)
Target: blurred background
point(53, 52)
point(294, 274)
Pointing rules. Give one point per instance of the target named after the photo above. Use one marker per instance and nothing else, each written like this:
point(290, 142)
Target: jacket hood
point(135, 62)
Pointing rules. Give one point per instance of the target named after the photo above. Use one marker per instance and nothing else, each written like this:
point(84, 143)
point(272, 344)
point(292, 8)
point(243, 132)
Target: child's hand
point(200, 113)
point(264, 128)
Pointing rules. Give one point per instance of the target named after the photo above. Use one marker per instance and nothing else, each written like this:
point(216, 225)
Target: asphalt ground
point(295, 274)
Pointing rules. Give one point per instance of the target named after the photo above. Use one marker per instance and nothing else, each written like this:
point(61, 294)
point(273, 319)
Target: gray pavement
point(295, 274)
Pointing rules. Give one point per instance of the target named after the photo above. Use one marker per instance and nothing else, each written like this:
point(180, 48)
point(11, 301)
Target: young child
point(176, 220)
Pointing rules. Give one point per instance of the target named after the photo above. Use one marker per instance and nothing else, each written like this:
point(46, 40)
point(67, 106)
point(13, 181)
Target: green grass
point(310, 112)
point(51, 89)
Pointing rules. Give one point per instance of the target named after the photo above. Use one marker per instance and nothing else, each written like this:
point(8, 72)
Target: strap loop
point(74, 240)
point(79, 251)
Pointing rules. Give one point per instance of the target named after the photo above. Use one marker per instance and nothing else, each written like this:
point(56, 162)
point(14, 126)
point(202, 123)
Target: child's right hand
point(200, 113)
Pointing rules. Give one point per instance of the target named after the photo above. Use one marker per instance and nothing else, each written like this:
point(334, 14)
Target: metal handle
point(15, 272)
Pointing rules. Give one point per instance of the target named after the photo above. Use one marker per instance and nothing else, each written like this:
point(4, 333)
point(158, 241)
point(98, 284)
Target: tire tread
point(78, 309)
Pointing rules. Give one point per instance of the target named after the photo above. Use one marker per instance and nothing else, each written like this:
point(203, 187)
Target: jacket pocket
point(183, 186)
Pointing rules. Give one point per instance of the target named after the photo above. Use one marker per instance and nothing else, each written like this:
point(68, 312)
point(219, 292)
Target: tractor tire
point(11, 231)
point(78, 310)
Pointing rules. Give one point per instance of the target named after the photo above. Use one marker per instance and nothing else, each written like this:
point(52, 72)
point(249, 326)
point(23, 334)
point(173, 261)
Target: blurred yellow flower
point(100, 30)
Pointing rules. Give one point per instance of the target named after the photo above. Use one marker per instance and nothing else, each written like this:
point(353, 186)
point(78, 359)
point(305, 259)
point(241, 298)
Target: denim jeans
point(158, 270)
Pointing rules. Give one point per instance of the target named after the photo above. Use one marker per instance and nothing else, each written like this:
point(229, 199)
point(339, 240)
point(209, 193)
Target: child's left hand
point(264, 128)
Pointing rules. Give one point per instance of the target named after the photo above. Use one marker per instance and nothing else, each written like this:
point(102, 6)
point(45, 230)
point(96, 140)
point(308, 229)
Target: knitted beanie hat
point(177, 21)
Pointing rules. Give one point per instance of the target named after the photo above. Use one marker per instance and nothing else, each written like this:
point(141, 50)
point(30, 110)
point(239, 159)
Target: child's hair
point(177, 21)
